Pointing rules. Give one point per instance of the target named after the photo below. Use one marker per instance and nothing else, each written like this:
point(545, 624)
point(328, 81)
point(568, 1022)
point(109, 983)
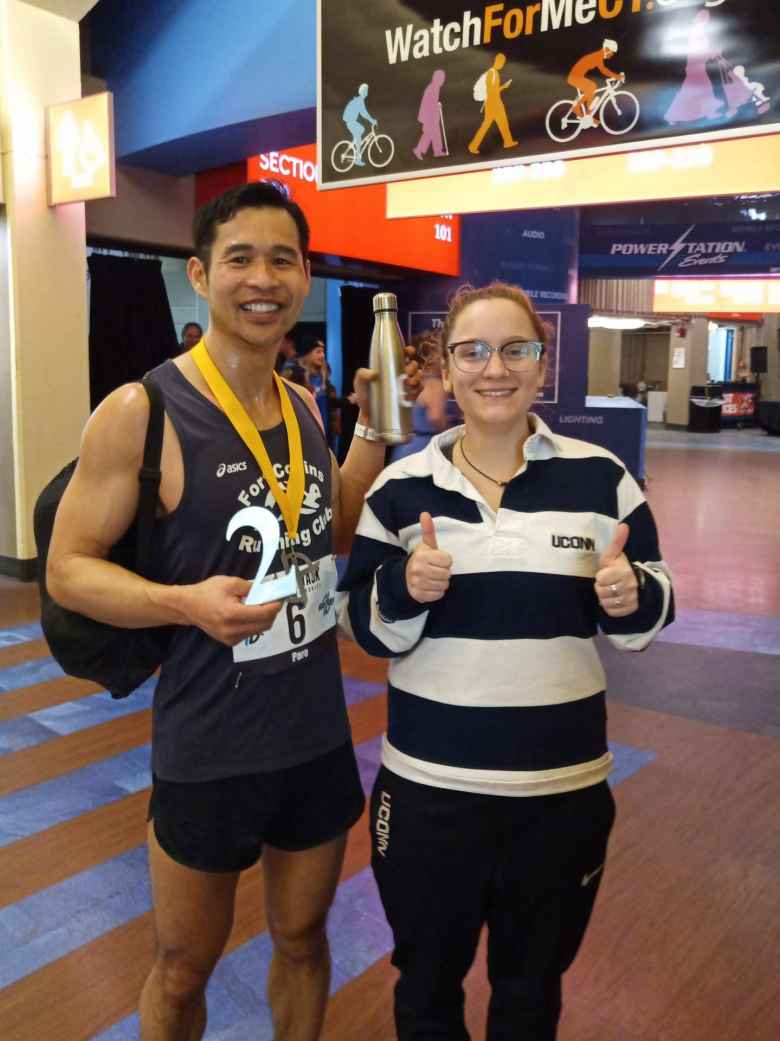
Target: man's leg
point(580, 108)
point(503, 125)
point(299, 889)
point(355, 128)
point(476, 140)
point(589, 90)
point(193, 915)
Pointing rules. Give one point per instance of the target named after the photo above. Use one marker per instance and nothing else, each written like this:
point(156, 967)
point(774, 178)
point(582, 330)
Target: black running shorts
point(222, 825)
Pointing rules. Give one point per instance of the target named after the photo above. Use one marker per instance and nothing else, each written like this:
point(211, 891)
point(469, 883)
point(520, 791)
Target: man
point(315, 365)
point(354, 111)
point(250, 746)
point(494, 111)
point(578, 77)
point(191, 333)
point(287, 363)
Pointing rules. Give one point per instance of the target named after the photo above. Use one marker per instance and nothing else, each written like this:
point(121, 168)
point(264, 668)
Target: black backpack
point(118, 659)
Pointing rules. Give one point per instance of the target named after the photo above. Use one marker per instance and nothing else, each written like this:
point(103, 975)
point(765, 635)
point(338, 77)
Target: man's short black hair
point(224, 208)
point(189, 325)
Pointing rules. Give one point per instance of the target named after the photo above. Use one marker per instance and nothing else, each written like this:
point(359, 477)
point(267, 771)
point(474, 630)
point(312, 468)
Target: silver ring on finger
point(614, 589)
point(619, 601)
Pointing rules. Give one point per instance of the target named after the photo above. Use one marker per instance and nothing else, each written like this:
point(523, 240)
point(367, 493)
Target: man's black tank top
point(276, 700)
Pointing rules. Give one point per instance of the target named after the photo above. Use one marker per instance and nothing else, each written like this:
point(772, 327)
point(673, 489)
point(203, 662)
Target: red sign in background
point(739, 403)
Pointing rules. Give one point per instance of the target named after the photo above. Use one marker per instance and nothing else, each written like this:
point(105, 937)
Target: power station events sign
point(429, 86)
point(647, 250)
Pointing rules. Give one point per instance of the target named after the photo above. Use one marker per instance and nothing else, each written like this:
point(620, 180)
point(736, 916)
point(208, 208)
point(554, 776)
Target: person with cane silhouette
point(483, 567)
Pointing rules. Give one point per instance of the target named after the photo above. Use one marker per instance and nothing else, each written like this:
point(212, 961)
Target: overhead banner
point(648, 250)
point(431, 86)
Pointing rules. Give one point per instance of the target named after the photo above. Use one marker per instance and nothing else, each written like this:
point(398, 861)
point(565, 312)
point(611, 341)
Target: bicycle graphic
point(618, 112)
point(378, 148)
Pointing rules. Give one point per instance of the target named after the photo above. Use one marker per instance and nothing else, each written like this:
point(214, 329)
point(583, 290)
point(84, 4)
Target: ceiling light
point(598, 321)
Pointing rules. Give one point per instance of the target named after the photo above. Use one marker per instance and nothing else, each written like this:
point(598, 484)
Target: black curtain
point(130, 325)
point(357, 324)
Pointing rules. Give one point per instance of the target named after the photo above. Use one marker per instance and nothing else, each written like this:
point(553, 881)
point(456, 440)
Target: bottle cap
point(385, 302)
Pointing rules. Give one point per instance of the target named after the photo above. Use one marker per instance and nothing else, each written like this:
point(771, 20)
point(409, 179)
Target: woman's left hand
point(616, 584)
point(412, 382)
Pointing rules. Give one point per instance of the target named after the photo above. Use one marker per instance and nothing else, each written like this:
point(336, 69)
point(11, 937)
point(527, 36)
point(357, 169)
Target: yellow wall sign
point(717, 295)
point(80, 147)
point(716, 168)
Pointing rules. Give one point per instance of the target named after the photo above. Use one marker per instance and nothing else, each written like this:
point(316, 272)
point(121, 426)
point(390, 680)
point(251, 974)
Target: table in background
point(769, 416)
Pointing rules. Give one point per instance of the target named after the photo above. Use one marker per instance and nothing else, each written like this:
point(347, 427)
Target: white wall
point(604, 362)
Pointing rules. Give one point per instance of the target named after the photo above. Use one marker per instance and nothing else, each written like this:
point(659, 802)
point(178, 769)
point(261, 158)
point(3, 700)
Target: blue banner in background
point(702, 250)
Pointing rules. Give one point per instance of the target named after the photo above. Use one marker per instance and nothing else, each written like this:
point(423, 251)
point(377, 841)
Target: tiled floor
point(684, 942)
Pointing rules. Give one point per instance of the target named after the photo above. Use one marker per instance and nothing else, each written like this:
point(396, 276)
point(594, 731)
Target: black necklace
point(501, 484)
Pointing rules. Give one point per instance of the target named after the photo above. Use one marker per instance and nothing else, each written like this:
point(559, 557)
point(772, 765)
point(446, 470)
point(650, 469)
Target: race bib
point(299, 631)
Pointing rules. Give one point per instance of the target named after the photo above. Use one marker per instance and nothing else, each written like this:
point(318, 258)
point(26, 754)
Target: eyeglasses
point(471, 356)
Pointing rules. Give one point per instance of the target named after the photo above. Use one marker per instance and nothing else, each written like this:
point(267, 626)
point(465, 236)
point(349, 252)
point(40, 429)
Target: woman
point(696, 98)
point(483, 567)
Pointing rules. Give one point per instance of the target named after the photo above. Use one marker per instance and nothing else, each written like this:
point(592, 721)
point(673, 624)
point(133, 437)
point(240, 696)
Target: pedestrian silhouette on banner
point(431, 118)
point(489, 89)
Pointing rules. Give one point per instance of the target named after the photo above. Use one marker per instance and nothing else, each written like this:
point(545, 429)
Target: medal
point(298, 563)
point(290, 585)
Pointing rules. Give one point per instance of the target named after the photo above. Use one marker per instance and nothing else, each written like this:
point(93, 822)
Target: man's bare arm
point(98, 507)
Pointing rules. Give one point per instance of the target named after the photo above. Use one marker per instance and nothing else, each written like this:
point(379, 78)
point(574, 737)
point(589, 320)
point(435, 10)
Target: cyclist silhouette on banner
point(354, 111)
point(593, 62)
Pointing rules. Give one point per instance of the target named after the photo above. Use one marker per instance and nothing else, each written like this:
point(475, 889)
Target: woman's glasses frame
point(530, 351)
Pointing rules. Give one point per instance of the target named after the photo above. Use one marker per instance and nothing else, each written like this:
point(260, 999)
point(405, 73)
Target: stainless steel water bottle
point(391, 413)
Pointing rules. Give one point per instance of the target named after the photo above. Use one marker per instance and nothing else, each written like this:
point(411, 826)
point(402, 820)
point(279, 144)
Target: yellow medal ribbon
point(290, 502)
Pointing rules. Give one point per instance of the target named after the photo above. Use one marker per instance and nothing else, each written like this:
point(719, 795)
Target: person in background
point(434, 410)
point(191, 334)
point(288, 364)
point(317, 373)
point(483, 567)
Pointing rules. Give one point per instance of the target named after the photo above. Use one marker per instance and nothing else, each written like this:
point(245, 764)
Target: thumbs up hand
point(428, 568)
point(616, 584)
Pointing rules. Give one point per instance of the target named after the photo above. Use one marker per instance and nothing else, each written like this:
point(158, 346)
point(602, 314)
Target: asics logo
point(230, 468)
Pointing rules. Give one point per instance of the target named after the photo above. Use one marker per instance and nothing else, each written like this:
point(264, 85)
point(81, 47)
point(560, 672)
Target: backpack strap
point(149, 476)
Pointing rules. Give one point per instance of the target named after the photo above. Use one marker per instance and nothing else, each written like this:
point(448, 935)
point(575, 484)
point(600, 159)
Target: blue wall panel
point(184, 67)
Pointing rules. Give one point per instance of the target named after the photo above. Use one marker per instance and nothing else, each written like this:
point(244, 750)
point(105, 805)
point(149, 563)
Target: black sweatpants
point(448, 862)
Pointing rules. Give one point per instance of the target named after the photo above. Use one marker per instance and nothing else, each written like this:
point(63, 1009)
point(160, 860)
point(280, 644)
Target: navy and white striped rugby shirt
point(498, 687)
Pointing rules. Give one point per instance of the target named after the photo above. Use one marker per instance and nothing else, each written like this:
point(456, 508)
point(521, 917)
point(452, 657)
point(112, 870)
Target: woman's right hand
point(428, 568)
